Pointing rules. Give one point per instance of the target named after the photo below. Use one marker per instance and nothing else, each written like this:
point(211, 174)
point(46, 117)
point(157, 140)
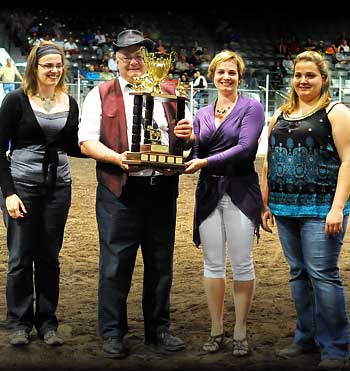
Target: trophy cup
point(147, 88)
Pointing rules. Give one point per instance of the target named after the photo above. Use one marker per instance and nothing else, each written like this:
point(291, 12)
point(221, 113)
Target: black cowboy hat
point(133, 37)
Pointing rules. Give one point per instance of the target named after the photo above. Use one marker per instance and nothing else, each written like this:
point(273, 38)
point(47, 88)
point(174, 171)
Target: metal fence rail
point(270, 98)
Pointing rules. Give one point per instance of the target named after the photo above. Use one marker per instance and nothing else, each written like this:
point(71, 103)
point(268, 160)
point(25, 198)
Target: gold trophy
point(158, 67)
point(146, 88)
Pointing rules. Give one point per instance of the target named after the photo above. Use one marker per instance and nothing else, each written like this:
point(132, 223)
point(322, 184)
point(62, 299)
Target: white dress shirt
point(90, 123)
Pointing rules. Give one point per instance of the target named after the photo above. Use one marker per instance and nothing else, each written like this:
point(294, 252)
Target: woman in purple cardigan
point(228, 197)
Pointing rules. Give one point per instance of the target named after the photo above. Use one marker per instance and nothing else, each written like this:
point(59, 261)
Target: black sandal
point(214, 343)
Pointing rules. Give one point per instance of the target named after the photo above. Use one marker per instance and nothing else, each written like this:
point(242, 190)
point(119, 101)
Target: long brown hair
point(325, 95)
point(29, 83)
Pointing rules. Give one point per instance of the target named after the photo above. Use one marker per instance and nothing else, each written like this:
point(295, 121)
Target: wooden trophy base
point(155, 156)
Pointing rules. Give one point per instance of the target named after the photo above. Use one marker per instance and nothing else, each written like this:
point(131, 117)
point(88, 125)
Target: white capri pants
point(228, 230)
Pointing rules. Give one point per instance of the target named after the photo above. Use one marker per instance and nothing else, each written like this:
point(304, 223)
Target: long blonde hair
point(29, 84)
point(325, 95)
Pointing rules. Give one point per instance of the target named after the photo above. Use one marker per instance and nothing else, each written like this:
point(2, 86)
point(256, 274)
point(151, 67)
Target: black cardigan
point(19, 124)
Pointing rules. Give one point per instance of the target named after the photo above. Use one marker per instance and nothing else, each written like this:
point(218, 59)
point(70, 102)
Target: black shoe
point(169, 342)
point(113, 347)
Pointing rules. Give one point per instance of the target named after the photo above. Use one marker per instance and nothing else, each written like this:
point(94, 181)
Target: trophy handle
point(180, 114)
point(144, 53)
point(172, 59)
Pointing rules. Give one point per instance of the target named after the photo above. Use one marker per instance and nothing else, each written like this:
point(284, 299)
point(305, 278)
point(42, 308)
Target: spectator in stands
point(160, 48)
point(321, 47)
point(277, 72)
point(112, 64)
point(70, 47)
point(106, 74)
point(309, 44)
point(88, 38)
point(100, 38)
point(33, 41)
point(8, 74)
point(288, 64)
point(281, 46)
point(200, 85)
point(344, 45)
point(331, 51)
point(228, 198)
point(184, 77)
point(205, 57)
point(59, 40)
point(341, 58)
point(194, 57)
point(252, 83)
point(191, 70)
point(181, 64)
point(134, 206)
point(91, 74)
point(293, 46)
point(41, 121)
point(342, 36)
point(307, 193)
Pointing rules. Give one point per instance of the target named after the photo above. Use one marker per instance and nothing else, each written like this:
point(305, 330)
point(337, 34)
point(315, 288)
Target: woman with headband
point(41, 121)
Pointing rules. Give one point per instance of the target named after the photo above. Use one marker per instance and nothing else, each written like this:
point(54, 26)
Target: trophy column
point(136, 123)
point(180, 114)
point(148, 118)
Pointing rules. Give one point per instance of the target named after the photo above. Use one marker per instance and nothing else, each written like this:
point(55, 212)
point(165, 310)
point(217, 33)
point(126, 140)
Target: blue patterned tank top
point(303, 166)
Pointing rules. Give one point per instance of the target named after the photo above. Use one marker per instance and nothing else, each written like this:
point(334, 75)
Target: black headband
point(46, 49)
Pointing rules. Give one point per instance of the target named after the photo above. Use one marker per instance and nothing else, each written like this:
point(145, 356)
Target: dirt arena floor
point(271, 321)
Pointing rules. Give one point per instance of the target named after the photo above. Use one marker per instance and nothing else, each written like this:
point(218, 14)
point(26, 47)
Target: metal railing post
point(267, 82)
point(191, 98)
point(78, 92)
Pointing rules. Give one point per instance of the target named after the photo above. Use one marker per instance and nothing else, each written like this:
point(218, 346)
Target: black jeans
point(35, 242)
point(144, 215)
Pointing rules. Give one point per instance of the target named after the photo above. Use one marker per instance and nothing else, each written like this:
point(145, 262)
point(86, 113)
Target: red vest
point(113, 132)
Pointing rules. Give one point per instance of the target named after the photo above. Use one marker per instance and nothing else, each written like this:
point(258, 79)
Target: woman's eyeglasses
point(51, 66)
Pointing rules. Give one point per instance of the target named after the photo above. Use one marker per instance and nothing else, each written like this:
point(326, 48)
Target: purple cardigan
point(230, 150)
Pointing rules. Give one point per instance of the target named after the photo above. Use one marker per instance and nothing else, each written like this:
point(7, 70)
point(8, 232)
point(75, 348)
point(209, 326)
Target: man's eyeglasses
point(51, 66)
point(127, 60)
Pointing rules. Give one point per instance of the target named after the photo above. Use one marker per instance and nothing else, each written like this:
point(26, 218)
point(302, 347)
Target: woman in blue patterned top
point(305, 186)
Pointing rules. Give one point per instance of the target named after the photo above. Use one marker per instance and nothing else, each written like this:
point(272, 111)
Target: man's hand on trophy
point(124, 166)
point(183, 129)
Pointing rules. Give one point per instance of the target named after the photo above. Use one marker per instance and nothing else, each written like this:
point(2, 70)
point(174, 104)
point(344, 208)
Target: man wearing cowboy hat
point(134, 207)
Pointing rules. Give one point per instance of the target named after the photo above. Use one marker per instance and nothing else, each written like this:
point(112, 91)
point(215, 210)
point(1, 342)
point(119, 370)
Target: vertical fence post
point(78, 92)
point(267, 82)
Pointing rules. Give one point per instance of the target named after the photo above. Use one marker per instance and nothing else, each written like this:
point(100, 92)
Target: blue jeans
point(8, 87)
point(316, 286)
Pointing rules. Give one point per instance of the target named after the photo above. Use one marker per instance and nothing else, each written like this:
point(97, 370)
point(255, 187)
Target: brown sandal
point(214, 343)
point(240, 347)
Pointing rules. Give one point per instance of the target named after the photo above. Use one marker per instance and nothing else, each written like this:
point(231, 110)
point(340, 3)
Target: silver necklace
point(47, 102)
